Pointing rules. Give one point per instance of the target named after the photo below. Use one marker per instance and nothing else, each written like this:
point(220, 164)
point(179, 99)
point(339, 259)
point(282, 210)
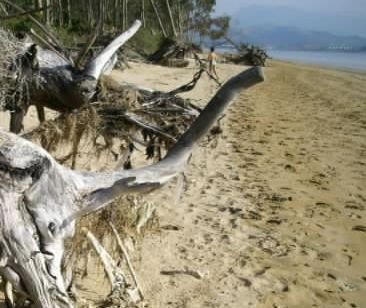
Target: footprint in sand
point(290, 168)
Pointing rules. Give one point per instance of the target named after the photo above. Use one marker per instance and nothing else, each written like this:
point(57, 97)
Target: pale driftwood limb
point(134, 119)
point(9, 296)
point(128, 261)
point(186, 271)
point(45, 43)
point(144, 214)
point(123, 84)
point(103, 188)
point(179, 188)
point(95, 67)
point(115, 275)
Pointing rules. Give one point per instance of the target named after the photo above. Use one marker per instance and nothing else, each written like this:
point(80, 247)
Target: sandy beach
point(273, 213)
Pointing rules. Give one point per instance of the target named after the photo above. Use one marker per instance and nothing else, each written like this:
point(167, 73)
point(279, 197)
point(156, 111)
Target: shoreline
point(316, 62)
point(321, 66)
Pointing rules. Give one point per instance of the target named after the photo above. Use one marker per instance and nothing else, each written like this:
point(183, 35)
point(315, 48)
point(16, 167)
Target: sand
point(273, 213)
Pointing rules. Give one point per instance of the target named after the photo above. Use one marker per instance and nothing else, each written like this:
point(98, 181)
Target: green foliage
point(219, 27)
point(17, 25)
point(148, 40)
point(190, 18)
point(69, 37)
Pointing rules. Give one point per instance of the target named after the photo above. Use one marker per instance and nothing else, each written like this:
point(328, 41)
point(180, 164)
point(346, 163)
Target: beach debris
point(120, 289)
point(185, 271)
point(171, 228)
point(247, 54)
point(128, 261)
point(276, 221)
point(51, 198)
point(173, 53)
point(150, 119)
point(49, 78)
point(359, 228)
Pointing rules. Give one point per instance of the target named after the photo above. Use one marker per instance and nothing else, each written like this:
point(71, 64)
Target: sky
point(349, 14)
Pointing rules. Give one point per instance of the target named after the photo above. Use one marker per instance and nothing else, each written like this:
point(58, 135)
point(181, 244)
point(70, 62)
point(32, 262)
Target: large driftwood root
point(40, 200)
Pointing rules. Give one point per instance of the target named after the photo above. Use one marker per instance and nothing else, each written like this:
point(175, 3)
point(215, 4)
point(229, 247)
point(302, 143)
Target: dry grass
point(11, 49)
point(122, 117)
point(15, 81)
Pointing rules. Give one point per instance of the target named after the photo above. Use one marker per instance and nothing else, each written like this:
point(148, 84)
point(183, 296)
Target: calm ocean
point(350, 60)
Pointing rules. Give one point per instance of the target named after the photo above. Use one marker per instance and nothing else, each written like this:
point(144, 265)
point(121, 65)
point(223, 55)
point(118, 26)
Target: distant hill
point(282, 27)
point(291, 38)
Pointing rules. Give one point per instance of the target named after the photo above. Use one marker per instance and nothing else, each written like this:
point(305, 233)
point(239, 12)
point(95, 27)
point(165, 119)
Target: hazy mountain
point(279, 37)
point(289, 28)
point(291, 17)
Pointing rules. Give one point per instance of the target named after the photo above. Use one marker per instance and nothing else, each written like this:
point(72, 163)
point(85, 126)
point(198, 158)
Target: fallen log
point(40, 200)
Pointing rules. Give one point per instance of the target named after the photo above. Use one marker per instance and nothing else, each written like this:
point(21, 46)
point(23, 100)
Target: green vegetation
point(73, 21)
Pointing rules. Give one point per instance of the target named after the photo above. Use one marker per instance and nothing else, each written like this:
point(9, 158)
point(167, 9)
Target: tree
point(219, 27)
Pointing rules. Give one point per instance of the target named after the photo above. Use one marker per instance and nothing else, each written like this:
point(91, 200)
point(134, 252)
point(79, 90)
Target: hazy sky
point(351, 12)
point(329, 6)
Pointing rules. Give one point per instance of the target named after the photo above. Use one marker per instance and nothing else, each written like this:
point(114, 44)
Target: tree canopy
point(178, 19)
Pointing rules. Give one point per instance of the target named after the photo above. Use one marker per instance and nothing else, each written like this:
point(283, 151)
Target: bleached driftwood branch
point(56, 83)
point(40, 200)
point(127, 258)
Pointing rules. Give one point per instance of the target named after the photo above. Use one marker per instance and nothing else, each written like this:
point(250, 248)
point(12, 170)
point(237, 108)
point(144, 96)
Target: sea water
point(350, 60)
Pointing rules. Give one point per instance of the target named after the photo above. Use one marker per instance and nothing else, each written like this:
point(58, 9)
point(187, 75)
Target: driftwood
point(55, 82)
point(128, 261)
point(45, 78)
point(173, 53)
point(152, 119)
point(40, 200)
point(247, 54)
point(121, 292)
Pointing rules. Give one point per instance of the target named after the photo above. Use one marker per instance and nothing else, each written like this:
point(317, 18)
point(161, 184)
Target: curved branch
point(95, 67)
point(40, 199)
point(102, 188)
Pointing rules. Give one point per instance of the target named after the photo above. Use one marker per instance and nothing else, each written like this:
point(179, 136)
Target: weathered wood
point(247, 54)
point(58, 85)
point(127, 258)
point(95, 67)
point(41, 200)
